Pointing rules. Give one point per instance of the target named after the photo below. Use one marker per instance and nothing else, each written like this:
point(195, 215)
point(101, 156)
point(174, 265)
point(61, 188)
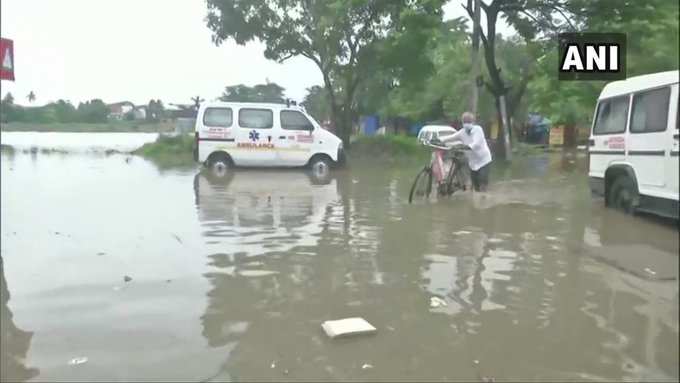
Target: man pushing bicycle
point(479, 155)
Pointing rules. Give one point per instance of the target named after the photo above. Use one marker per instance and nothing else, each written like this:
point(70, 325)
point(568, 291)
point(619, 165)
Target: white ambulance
point(263, 135)
point(633, 146)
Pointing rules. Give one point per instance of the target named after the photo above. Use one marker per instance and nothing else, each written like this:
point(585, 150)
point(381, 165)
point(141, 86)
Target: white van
point(633, 146)
point(262, 135)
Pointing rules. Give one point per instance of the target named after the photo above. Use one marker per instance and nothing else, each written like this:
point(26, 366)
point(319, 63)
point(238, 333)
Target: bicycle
point(447, 167)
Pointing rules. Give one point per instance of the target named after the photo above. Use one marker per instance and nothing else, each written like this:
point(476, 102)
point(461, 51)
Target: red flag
point(6, 59)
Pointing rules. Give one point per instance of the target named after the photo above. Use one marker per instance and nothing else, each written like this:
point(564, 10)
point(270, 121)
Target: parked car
point(263, 135)
point(633, 146)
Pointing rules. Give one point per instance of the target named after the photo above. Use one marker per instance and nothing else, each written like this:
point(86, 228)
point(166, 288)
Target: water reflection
point(15, 341)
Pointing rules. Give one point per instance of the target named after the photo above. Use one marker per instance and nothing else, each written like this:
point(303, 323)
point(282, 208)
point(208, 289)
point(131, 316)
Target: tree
point(652, 46)
point(316, 103)
point(31, 97)
point(64, 111)
point(8, 99)
point(531, 19)
point(269, 92)
point(339, 36)
point(154, 110)
point(92, 111)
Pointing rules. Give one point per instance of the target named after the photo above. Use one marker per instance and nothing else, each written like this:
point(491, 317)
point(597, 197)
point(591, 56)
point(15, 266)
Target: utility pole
point(474, 72)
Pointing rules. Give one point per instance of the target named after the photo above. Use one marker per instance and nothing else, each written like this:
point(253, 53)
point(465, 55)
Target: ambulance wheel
point(320, 166)
point(219, 163)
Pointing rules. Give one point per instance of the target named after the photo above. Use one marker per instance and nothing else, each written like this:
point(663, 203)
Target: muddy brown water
point(232, 276)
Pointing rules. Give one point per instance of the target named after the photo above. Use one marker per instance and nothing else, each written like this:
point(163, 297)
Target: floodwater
point(231, 277)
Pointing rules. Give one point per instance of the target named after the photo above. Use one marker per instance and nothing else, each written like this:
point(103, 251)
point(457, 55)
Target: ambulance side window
point(650, 111)
point(251, 118)
point(611, 116)
point(293, 120)
point(217, 117)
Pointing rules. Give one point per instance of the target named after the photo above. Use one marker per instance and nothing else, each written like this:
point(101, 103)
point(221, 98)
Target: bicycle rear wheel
point(422, 186)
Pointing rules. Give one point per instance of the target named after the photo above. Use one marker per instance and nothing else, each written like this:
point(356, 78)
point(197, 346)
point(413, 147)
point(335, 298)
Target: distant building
point(140, 112)
point(118, 110)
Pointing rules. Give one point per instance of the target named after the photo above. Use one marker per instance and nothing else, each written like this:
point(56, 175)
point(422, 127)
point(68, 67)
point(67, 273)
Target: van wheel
point(219, 163)
point(320, 166)
point(623, 195)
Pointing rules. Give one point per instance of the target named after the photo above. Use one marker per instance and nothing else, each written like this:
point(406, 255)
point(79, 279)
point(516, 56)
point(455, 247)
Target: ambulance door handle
point(269, 138)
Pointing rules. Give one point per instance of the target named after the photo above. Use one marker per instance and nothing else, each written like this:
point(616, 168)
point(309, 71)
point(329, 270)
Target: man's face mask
point(468, 128)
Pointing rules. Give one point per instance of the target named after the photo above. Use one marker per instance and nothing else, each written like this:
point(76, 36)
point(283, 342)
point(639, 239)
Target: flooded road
point(231, 277)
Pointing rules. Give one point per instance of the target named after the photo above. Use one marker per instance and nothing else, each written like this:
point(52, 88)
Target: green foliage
point(316, 103)
point(652, 33)
point(342, 37)
point(155, 110)
point(169, 151)
point(390, 147)
point(93, 111)
point(269, 92)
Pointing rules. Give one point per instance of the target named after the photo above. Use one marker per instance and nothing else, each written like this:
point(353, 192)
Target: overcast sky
point(136, 50)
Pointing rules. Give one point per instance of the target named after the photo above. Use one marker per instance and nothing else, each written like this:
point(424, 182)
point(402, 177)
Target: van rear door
point(672, 163)
point(608, 138)
point(648, 138)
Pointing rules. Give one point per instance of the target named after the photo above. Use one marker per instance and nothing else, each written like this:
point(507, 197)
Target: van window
point(611, 116)
point(255, 118)
point(650, 111)
point(293, 120)
point(217, 117)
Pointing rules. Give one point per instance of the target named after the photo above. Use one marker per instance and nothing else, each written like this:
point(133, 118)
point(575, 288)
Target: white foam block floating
point(347, 326)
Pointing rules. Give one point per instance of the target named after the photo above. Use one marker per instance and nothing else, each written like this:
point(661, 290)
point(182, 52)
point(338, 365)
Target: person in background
point(479, 157)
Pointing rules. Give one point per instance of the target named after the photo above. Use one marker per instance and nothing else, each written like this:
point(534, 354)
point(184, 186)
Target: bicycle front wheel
point(422, 186)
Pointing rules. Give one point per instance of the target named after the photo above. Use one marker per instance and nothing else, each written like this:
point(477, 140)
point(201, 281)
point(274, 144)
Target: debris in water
point(101, 253)
point(57, 233)
point(127, 278)
point(116, 288)
point(475, 361)
point(488, 379)
point(366, 366)
point(515, 322)
point(390, 328)
point(437, 302)
point(254, 264)
point(273, 365)
point(168, 280)
point(76, 361)
point(176, 237)
point(347, 326)
point(256, 273)
point(650, 271)
point(355, 181)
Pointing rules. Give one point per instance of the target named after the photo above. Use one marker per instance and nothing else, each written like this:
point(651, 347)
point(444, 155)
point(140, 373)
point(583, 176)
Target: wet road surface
point(232, 276)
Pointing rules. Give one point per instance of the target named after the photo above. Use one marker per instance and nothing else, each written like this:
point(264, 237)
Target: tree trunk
point(506, 128)
point(474, 73)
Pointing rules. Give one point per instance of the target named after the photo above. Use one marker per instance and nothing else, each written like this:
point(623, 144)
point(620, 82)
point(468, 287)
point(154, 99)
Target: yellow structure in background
point(557, 135)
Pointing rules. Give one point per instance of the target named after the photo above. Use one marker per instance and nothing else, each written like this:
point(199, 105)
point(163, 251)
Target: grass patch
point(106, 127)
point(387, 147)
point(7, 148)
point(169, 151)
